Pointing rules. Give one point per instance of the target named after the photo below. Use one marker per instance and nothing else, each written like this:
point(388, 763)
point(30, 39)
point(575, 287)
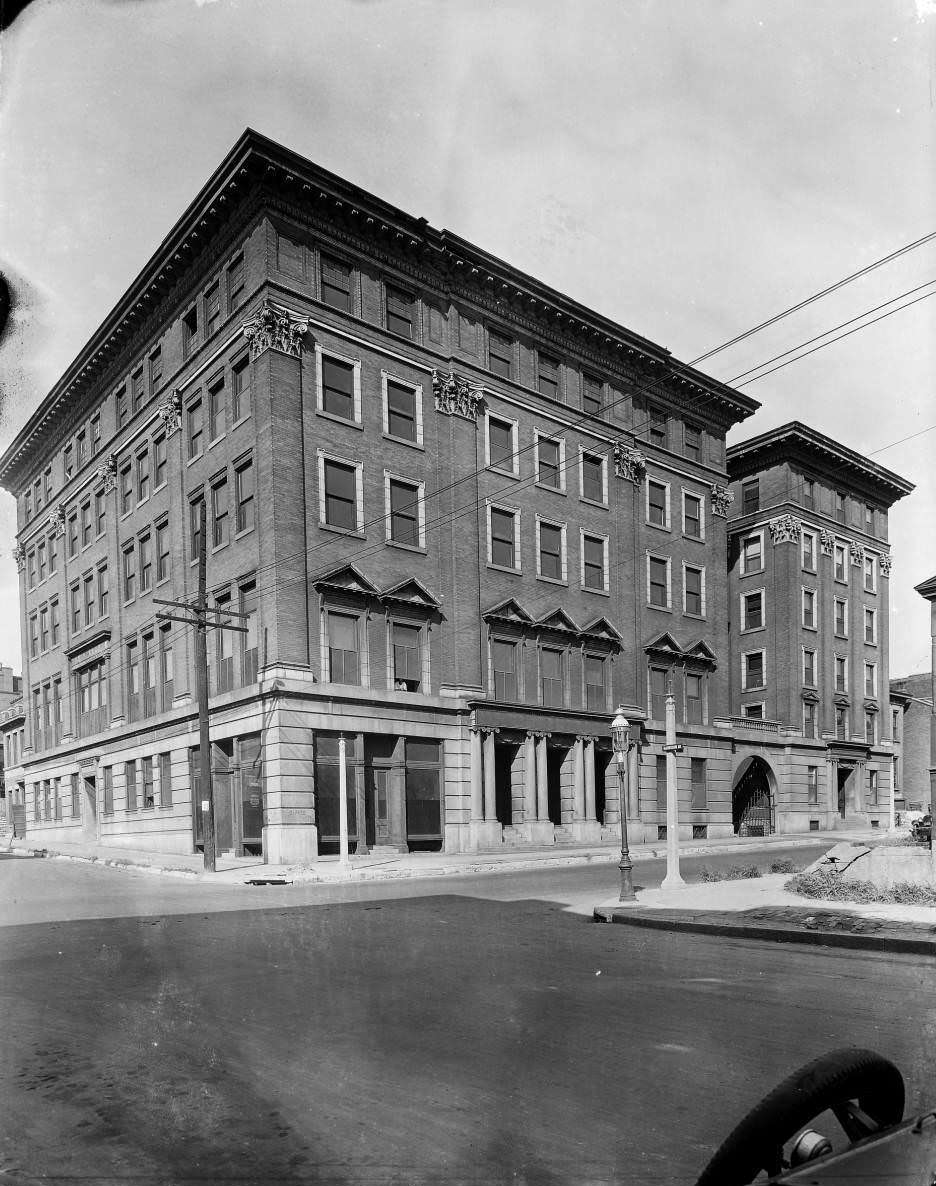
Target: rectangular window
point(896, 774)
point(130, 782)
point(34, 635)
point(41, 555)
point(870, 728)
point(407, 664)
point(812, 784)
point(73, 534)
point(839, 507)
point(159, 462)
point(129, 573)
point(503, 538)
point(657, 503)
point(149, 799)
point(753, 712)
point(126, 488)
point(809, 551)
point(752, 610)
point(195, 528)
point(240, 389)
point(343, 656)
point(658, 582)
point(692, 516)
point(404, 508)
point(31, 569)
point(870, 625)
point(595, 563)
point(248, 640)
point(750, 496)
point(841, 562)
point(549, 468)
point(217, 409)
point(336, 284)
point(44, 629)
point(841, 618)
point(699, 787)
point(869, 519)
point(548, 375)
point(212, 308)
point(809, 718)
point(401, 411)
point(189, 331)
point(340, 495)
point(694, 697)
point(196, 429)
point(752, 553)
point(504, 662)
point(146, 562)
point(752, 672)
point(809, 608)
point(809, 494)
point(659, 678)
point(841, 723)
point(500, 354)
point(593, 477)
point(54, 623)
point(165, 780)
point(661, 782)
point(872, 788)
point(693, 591)
point(596, 689)
point(551, 677)
point(551, 558)
point(90, 599)
point(841, 674)
point(401, 312)
point(162, 552)
point(338, 387)
point(143, 475)
point(870, 690)
point(102, 591)
point(501, 444)
point(100, 513)
point(166, 669)
point(123, 406)
point(692, 442)
point(74, 603)
point(108, 804)
point(47, 484)
point(657, 428)
point(591, 395)
point(220, 518)
point(809, 668)
point(137, 392)
point(870, 574)
point(81, 449)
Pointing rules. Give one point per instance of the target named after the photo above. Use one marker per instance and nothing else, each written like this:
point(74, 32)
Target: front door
point(378, 805)
point(844, 773)
point(89, 808)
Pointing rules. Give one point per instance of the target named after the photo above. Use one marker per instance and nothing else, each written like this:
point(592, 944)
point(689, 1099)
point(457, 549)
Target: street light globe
point(620, 734)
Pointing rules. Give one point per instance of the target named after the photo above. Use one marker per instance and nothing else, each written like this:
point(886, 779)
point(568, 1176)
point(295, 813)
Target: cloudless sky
point(685, 167)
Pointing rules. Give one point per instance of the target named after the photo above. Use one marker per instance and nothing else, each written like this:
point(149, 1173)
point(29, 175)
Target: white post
point(672, 879)
point(342, 801)
point(892, 821)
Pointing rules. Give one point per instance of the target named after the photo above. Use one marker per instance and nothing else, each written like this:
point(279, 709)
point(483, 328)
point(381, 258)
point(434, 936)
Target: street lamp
point(621, 743)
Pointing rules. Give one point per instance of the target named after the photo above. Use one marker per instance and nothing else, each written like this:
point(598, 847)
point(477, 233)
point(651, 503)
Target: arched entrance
point(752, 798)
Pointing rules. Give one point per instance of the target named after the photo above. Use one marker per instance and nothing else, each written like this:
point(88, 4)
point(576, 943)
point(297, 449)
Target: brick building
point(809, 574)
point(911, 714)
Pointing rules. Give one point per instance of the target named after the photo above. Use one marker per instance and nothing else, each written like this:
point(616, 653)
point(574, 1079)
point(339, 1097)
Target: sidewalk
point(762, 909)
point(252, 870)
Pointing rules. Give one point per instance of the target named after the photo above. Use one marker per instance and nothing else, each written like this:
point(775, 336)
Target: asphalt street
point(476, 1029)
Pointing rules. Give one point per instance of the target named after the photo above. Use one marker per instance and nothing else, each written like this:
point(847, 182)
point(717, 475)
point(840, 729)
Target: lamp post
point(621, 743)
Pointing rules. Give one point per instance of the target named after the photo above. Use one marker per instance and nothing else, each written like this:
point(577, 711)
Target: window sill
point(752, 629)
point(659, 526)
point(419, 548)
point(552, 580)
point(353, 532)
point(552, 489)
point(696, 617)
point(244, 531)
point(698, 539)
point(389, 436)
point(503, 568)
point(196, 457)
point(593, 503)
point(752, 572)
point(506, 473)
point(663, 609)
point(811, 629)
point(339, 419)
point(599, 592)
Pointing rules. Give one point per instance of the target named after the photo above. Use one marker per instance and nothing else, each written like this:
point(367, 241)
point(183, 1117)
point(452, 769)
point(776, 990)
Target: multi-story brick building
point(911, 718)
point(809, 567)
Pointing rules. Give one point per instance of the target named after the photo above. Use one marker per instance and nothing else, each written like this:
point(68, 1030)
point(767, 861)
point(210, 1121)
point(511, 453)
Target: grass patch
point(734, 873)
point(834, 888)
point(785, 866)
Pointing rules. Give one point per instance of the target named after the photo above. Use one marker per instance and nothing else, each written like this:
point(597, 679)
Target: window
point(839, 506)
point(841, 617)
point(550, 549)
point(502, 444)
point(54, 622)
point(143, 475)
point(123, 408)
point(504, 663)
point(551, 677)
point(74, 603)
point(81, 449)
point(548, 375)
point(220, 519)
point(47, 484)
point(146, 562)
point(694, 695)
point(812, 784)
point(841, 723)
point(693, 591)
point(872, 788)
point(692, 516)
point(502, 538)
point(595, 563)
point(750, 496)
point(108, 805)
point(809, 668)
point(692, 442)
point(752, 553)
point(155, 370)
point(809, 494)
point(698, 782)
point(166, 670)
point(661, 783)
point(407, 665)
point(162, 552)
point(658, 504)
point(196, 429)
point(550, 462)
point(126, 488)
point(500, 354)
point(224, 651)
point(340, 493)
point(100, 513)
point(90, 599)
point(240, 389)
point(658, 582)
point(130, 782)
point(841, 562)
point(165, 780)
point(809, 551)
point(752, 670)
point(41, 557)
point(212, 308)
point(752, 610)
point(870, 730)
point(896, 762)
point(841, 673)
point(34, 635)
point(217, 409)
point(31, 569)
point(75, 802)
point(467, 330)
point(401, 311)
point(809, 718)
point(870, 680)
point(336, 284)
point(753, 712)
point(596, 688)
point(657, 428)
point(593, 477)
point(402, 411)
point(809, 608)
point(159, 462)
point(196, 509)
point(137, 392)
point(102, 591)
point(189, 331)
point(337, 398)
point(870, 625)
point(146, 765)
point(44, 629)
point(869, 519)
point(870, 574)
point(134, 686)
point(129, 573)
point(404, 512)
point(659, 680)
point(895, 723)
point(591, 395)
point(343, 657)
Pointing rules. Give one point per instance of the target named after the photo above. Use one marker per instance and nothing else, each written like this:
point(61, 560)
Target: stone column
point(529, 779)
point(477, 800)
point(578, 767)
point(589, 756)
point(490, 801)
point(542, 779)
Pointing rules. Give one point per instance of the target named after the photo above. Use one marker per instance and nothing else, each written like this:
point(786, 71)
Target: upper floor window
point(693, 522)
point(123, 407)
point(870, 574)
point(405, 512)
point(143, 475)
point(137, 391)
point(235, 283)
point(752, 610)
point(870, 625)
point(159, 462)
point(809, 667)
point(753, 670)
point(500, 354)
point(339, 392)
point(870, 689)
point(591, 395)
point(656, 427)
point(752, 553)
point(189, 331)
point(244, 495)
point(406, 651)
point(809, 608)
point(69, 461)
point(694, 591)
point(155, 370)
point(340, 494)
point(841, 673)
point(502, 444)
point(548, 375)
point(336, 283)
point(402, 410)
point(695, 698)
point(503, 530)
point(550, 462)
point(692, 442)
point(809, 494)
point(240, 389)
point(840, 562)
point(596, 683)
point(401, 312)
point(869, 518)
point(750, 496)
point(504, 665)
point(220, 518)
point(212, 308)
point(196, 429)
point(551, 550)
point(126, 487)
point(595, 563)
point(658, 582)
point(552, 683)
point(841, 617)
point(217, 408)
point(839, 504)
point(809, 551)
point(658, 511)
point(593, 476)
point(344, 665)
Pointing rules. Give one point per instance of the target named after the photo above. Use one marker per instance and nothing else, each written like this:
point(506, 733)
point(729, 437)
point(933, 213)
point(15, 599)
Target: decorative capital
point(455, 396)
point(275, 329)
point(826, 542)
point(170, 412)
point(57, 522)
point(105, 475)
point(886, 562)
point(629, 463)
point(722, 498)
point(857, 553)
point(19, 555)
point(785, 529)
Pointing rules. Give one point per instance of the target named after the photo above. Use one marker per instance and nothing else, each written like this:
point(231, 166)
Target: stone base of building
point(485, 835)
point(293, 844)
point(586, 831)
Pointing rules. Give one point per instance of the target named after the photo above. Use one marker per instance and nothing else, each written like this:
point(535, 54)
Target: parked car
point(922, 829)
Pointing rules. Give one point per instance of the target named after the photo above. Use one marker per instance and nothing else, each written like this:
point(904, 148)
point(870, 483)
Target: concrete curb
point(892, 941)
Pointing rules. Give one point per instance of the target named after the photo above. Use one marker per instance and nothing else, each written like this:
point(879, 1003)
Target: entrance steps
point(564, 835)
point(513, 837)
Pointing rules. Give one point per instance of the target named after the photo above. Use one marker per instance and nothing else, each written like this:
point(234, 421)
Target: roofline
point(746, 456)
point(927, 589)
point(251, 151)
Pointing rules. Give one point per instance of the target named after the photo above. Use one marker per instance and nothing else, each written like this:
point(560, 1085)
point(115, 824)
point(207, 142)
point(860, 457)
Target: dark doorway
point(603, 760)
point(554, 760)
point(504, 756)
point(752, 807)
point(844, 774)
point(89, 808)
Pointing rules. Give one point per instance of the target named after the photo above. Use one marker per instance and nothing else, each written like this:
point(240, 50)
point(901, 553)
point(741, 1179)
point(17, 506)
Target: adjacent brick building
point(912, 714)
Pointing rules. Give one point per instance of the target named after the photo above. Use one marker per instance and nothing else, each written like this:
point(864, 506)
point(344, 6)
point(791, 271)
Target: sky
point(688, 168)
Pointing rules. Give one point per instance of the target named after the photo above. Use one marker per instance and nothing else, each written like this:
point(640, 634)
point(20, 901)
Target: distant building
point(927, 589)
point(11, 690)
point(911, 711)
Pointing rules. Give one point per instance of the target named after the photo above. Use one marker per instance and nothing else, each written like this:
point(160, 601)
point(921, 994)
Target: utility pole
point(672, 879)
point(198, 612)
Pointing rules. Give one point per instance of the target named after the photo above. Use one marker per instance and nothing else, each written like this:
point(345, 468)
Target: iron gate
point(751, 803)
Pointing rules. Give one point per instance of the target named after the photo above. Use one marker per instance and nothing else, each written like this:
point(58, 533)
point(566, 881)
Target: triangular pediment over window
point(411, 592)
point(700, 652)
point(347, 579)
point(601, 628)
point(558, 620)
point(508, 611)
point(810, 696)
point(664, 644)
